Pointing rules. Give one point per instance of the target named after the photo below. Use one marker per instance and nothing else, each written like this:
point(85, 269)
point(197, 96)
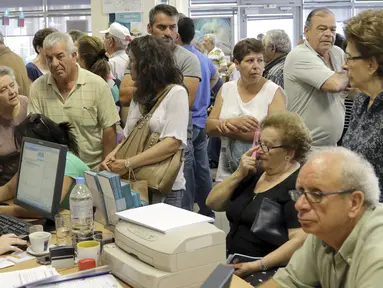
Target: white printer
point(184, 257)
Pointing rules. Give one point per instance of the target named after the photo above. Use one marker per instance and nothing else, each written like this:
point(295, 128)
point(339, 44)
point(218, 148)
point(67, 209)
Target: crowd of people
point(275, 128)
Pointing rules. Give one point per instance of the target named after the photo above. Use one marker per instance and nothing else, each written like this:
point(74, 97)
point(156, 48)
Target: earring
point(287, 158)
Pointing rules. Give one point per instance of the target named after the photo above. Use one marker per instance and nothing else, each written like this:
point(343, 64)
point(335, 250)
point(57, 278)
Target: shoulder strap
point(161, 96)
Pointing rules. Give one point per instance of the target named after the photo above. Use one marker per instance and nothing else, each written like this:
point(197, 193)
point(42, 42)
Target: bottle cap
point(80, 180)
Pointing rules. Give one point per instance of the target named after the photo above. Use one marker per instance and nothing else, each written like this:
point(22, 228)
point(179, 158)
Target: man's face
point(322, 32)
point(165, 27)
point(61, 63)
point(269, 50)
point(206, 43)
point(9, 93)
point(331, 213)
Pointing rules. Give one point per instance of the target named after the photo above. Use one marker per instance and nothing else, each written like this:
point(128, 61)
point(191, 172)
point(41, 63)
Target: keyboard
point(10, 224)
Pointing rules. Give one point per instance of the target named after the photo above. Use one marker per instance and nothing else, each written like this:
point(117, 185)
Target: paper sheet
point(105, 281)
point(21, 277)
point(4, 263)
point(162, 217)
point(25, 257)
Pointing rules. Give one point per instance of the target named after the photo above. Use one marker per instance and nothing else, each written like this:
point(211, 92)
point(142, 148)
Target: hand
point(108, 159)
point(225, 128)
point(118, 166)
point(244, 123)
point(247, 162)
point(7, 241)
point(245, 268)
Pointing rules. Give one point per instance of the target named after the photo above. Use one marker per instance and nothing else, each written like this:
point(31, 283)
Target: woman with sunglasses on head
point(364, 66)
point(284, 143)
point(41, 127)
point(13, 110)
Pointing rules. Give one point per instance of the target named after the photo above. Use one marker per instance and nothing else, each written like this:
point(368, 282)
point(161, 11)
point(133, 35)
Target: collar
point(312, 49)
point(80, 77)
point(214, 49)
point(275, 61)
point(346, 251)
point(119, 52)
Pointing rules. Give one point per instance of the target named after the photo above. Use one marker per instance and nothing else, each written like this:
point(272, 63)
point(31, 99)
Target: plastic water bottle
point(81, 211)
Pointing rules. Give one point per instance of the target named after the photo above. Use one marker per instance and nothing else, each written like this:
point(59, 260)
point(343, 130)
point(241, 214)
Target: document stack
point(111, 195)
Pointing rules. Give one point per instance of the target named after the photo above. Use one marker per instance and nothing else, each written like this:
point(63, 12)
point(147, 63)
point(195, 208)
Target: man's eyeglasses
point(266, 149)
point(316, 196)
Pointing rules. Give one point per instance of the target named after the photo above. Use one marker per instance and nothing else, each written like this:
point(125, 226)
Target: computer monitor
point(41, 176)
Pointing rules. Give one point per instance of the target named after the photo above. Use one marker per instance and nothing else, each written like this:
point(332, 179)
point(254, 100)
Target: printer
point(184, 257)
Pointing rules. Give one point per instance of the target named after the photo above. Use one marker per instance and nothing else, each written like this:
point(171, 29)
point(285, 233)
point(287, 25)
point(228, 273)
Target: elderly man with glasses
point(336, 196)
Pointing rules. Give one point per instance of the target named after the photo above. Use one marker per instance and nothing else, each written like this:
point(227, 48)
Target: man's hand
point(7, 241)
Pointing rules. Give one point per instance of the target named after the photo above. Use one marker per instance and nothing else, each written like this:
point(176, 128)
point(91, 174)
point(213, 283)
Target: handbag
point(159, 176)
point(269, 225)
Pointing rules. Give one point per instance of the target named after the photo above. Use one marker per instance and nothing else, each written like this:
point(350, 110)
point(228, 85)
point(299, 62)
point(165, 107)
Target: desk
point(235, 283)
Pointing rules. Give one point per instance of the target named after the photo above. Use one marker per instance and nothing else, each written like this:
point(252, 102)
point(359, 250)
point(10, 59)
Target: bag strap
point(159, 97)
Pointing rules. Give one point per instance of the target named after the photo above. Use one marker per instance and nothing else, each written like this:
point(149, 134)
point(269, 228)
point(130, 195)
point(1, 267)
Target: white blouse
point(169, 120)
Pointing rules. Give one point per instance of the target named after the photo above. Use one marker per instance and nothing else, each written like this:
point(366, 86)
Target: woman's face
point(132, 66)
point(252, 66)
point(358, 70)
point(273, 157)
point(9, 93)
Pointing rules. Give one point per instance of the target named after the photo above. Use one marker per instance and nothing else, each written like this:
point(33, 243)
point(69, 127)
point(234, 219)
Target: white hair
point(279, 39)
point(211, 38)
point(357, 173)
point(5, 70)
point(119, 43)
point(56, 37)
point(1, 38)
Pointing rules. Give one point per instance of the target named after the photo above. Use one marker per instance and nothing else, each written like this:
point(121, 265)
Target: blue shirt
point(33, 71)
point(202, 99)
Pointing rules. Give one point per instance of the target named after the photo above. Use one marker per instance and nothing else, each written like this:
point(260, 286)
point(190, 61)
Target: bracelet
point(127, 164)
point(263, 266)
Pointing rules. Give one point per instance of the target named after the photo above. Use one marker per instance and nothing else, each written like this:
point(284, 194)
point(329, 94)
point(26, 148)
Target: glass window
point(255, 27)
point(25, 5)
point(68, 4)
point(66, 23)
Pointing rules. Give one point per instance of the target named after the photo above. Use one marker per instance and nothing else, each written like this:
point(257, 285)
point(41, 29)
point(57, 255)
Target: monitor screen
point(40, 179)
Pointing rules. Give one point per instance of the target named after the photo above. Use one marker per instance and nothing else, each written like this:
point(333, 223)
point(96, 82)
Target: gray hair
point(56, 37)
point(316, 12)
point(119, 43)
point(5, 70)
point(359, 175)
point(279, 39)
point(1, 38)
point(211, 38)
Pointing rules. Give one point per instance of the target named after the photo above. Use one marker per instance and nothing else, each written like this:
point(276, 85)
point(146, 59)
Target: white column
point(100, 20)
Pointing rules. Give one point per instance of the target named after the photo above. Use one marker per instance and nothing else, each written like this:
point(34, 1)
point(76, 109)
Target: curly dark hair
point(294, 133)
point(155, 68)
point(41, 127)
point(39, 37)
point(245, 47)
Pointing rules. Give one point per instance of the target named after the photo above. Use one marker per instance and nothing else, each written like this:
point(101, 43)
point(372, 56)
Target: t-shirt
point(189, 65)
point(357, 264)
point(305, 72)
point(169, 120)
point(9, 157)
point(74, 167)
point(202, 99)
point(243, 209)
point(33, 71)
point(217, 57)
point(118, 63)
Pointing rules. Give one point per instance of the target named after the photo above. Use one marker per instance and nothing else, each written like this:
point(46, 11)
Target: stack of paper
point(22, 277)
point(105, 281)
point(162, 217)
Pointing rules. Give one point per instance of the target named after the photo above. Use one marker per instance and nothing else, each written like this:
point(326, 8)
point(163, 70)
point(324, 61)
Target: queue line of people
point(283, 140)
